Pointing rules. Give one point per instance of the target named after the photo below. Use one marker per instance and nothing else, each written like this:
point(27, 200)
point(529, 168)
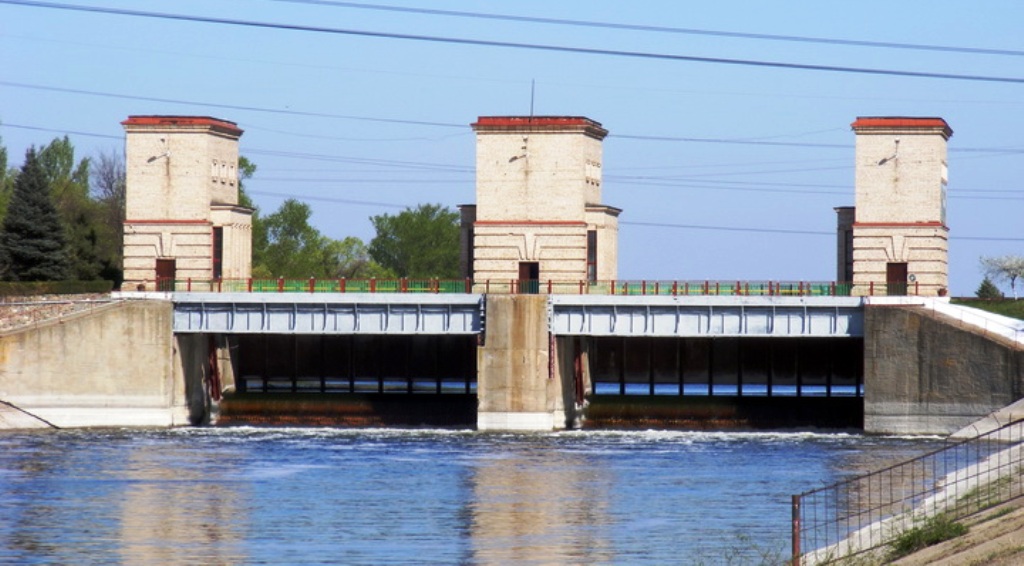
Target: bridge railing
point(869, 512)
point(506, 286)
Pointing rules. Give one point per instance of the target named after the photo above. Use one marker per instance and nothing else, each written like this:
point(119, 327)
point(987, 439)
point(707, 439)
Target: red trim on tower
point(179, 121)
point(899, 225)
point(168, 221)
point(528, 223)
point(900, 123)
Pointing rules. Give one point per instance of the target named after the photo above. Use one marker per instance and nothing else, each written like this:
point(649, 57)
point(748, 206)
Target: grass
point(1006, 307)
point(929, 532)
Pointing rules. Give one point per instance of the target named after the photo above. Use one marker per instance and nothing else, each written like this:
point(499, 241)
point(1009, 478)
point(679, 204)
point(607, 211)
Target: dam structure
point(539, 334)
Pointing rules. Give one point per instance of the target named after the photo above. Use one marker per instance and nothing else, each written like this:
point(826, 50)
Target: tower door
point(529, 277)
point(896, 278)
point(166, 271)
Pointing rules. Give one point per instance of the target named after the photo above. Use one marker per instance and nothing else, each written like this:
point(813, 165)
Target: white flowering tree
point(1009, 268)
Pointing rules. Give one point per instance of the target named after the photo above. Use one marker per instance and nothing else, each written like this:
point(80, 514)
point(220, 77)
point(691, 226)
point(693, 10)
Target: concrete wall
point(114, 366)
point(924, 375)
point(519, 386)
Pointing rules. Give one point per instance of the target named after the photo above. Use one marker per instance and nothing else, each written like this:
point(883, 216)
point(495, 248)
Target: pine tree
point(32, 237)
point(988, 290)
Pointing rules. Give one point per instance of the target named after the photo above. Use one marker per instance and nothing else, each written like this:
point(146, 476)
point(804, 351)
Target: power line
point(664, 29)
point(516, 45)
point(67, 90)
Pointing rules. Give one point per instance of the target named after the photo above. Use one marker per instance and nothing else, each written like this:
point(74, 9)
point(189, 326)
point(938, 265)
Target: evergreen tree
point(988, 290)
point(32, 245)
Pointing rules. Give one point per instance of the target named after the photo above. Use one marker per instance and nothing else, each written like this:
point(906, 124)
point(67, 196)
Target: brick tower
point(538, 215)
point(900, 237)
point(182, 217)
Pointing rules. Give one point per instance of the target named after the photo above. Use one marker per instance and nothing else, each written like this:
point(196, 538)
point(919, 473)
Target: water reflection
point(172, 511)
point(539, 505)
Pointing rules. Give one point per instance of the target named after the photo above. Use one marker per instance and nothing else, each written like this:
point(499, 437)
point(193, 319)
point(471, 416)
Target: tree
point(91, 242)
point(988, 290)
point(418, 243)
point(109, 191)
point(32, 244)
point(354, 261)
point(7, 177)
point(294, 249)
point(1008, 268)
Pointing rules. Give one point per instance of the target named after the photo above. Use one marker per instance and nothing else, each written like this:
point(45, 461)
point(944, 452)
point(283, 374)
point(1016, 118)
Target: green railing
point(510, 286)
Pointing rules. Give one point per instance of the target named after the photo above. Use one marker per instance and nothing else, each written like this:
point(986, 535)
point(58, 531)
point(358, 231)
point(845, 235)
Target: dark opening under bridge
point(624, 353)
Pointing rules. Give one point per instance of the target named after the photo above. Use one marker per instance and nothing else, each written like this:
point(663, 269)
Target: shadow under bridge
point(340, 359)
point(714, 362)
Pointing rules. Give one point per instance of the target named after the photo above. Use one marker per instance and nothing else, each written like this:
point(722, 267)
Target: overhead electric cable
point(229, 106)
point(662, 29)
point(514, 45)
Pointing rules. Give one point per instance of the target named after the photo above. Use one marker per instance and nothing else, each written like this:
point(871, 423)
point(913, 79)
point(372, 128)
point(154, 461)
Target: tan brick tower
point(538, 213)
point(182, 217)
point(900, 237)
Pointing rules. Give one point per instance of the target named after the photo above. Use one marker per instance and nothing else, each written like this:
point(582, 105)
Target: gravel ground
point(18, 312)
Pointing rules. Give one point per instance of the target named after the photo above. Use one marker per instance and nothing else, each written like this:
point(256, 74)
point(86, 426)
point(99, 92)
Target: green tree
point(32, 244)
point(294, 248)
point(91, 242)
point(7, 176)
point(988, 290)
point(418, 243)
point(107, 174)
point(354, 261)
point(1007, 268)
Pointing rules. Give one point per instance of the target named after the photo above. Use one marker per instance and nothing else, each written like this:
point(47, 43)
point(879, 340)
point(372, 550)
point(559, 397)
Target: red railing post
point(487, 286)
point(248, 285)
point(373, 284)
point(549, 286)
point(341, 285)
point(832, 289)
point(437, 285)
point(675, 288)
point(581, 287)
point(707, 287)
point(188, 284)
point(871, 289)
point(917, 288)
point(280, 284)
point(613, 286)
point(686, 288)
point(469, 285)
point(718, 288)
point(312, 284)
point(220, 285)
point(643, 287)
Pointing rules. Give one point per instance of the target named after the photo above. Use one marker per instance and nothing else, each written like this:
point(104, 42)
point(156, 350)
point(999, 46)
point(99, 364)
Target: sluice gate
point(539, 362)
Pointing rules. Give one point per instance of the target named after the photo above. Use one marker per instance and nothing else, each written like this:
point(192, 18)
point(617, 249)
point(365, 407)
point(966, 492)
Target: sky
point(730, 140)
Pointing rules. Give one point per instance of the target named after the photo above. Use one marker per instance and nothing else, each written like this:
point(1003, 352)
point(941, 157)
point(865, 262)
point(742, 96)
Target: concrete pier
point(519, 385)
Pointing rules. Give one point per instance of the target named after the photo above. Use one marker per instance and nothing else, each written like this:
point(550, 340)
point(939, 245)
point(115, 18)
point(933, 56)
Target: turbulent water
point(330, 496)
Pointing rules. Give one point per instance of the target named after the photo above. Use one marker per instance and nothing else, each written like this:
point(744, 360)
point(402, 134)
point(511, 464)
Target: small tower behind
point(182, 217)
point(900, 237)
point(538, 213)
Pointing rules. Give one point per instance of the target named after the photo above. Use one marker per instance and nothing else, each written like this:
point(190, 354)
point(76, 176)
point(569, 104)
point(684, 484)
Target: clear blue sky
point(358, 126)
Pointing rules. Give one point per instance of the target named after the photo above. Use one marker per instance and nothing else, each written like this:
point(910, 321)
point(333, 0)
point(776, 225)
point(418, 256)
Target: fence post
point(469, 285)
point(280, 284)
point(871, 289)
point(549, 286)
point(581, 287)
point(613, 286)
point(312, 284)
point(248, 285)
point(373, 284)
point(796, 531)
point(341, 285)
point(643, 287)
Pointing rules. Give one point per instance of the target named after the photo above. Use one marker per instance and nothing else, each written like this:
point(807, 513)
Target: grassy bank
point(1005, 307)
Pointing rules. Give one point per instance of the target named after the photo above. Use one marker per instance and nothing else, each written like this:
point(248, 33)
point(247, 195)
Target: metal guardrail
point(513, 286)
point(868, 512)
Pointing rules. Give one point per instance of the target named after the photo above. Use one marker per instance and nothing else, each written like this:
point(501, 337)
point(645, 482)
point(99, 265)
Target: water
point(330, 496)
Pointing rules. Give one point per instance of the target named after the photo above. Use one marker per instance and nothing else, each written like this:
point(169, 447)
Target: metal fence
point(868, 512)
point(512, 286)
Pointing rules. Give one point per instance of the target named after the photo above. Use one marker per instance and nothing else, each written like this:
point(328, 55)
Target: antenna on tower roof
point(533, 84)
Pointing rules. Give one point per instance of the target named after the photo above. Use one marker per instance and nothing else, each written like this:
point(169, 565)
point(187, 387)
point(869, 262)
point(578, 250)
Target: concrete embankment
point(112, 364)
point(927, 372)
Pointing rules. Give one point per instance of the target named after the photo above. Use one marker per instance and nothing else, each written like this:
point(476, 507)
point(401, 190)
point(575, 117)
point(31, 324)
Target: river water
point(335, 496)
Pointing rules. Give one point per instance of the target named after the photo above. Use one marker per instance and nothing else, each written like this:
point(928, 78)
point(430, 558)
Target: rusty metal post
point(796, 531)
